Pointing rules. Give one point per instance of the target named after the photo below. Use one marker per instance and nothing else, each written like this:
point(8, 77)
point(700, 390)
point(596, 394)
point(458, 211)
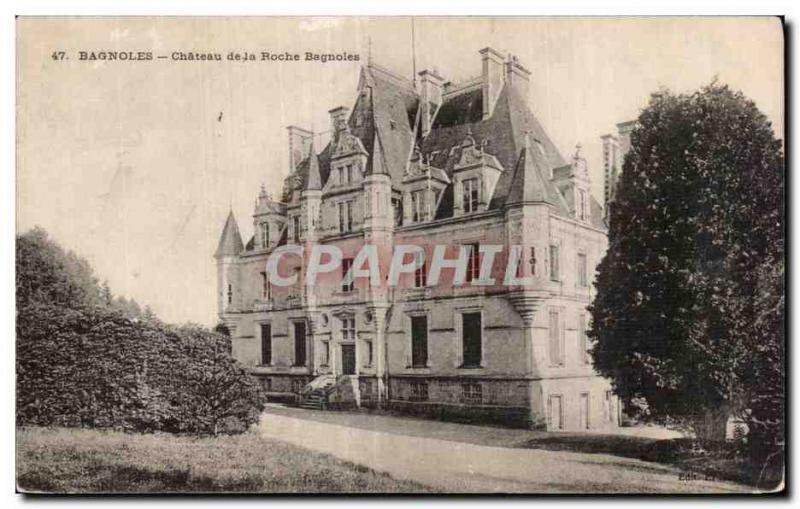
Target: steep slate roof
point(230, 242)
point(529, 183)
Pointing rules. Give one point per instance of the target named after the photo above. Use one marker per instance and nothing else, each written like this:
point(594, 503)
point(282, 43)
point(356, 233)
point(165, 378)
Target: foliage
point(689, 312)
point(85, 358)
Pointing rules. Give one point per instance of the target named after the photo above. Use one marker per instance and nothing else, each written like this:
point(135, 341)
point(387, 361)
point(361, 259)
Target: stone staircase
point(315, 395)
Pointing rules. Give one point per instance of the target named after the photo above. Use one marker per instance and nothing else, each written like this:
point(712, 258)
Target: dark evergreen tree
point(689, 311)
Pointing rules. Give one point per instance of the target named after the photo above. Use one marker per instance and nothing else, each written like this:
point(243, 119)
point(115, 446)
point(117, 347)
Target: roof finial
point(578, 147)
point(413, 55)
point(369, 50)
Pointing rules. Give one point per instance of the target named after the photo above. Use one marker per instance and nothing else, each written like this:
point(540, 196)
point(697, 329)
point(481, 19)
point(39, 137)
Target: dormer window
point(264, 235)
point(471, 195)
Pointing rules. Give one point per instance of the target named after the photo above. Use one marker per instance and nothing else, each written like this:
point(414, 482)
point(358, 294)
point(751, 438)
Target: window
point(419, 341)
point(368, 358)
point(230, 294)
point(421, 272)
point(583, 339)
point(471, 194)
point(266, 289)
point(556, 340)
point(326, 353)
point(471, 339)
point(418, 206)
point(296, 228)
point(266, 344)
point(582, 278)
point(299, 343)
point(347, 285)
point(419, 391)
point(554, 276)
point(473, 262)
point(397, 208)
point(345, 216)
point(472, 393)
point(608, 408)
point(555, 412)
point(532, 261)
point(348, 329)
point(265, 234)
point(582, 205)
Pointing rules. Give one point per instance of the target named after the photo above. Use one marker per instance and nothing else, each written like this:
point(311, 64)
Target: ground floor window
point(326, 353)
point(368, 354)
point(584, 410)
point(608, 411)
point(300, 343)
point(419, 341)
point(419, 391)
point(471, 340)
point(472, 393)
point(266, 344)
point(555, 412)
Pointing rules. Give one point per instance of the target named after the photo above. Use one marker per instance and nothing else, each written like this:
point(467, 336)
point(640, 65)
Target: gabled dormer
point(269, 221)
point(348, 161)
point(423, 185)
point(475, 176)
point(572, 181)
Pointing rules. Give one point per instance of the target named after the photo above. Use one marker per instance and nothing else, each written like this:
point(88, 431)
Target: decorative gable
point(475, 176)
point(423, 186)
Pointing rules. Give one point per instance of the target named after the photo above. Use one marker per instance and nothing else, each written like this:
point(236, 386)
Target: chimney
point(518, 77)
point(299, 143)
point(431, 85)
point(492, 78)
point(339, 117)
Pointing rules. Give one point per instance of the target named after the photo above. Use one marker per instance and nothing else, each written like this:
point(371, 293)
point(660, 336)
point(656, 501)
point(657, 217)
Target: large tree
point(689, 300)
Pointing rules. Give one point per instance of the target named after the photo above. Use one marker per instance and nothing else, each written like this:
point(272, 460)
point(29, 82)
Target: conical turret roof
point(230, 242)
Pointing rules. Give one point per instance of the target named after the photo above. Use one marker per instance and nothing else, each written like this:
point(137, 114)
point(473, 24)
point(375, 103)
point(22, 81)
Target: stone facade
point(447, 165)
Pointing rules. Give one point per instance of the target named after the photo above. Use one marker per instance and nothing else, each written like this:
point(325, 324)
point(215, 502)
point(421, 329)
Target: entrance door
point(585, 410)
point(348, 359)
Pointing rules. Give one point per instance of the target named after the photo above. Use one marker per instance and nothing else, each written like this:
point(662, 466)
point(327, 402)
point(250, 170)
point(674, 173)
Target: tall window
point(230, 294)
point(532, 261)
point(418, 212)
point(419, 341)
point(397, 209)
point(348, 329)
point(473, 262)
point(347, 285)
point(266, 344)
point(345, 216)
point(326, 353)
point(554, 254)
point(266, 289)
point(582, 278)
point(369, 353)
point(608, 408)
point(296, 228)
point(299, 343)
point(583, 339)
point(471, 339)
point(264, 234)
point(471, 196)
point(420, 273)
point(556, 340)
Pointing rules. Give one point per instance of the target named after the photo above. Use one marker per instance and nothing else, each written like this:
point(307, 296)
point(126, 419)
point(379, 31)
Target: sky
point(135, 165)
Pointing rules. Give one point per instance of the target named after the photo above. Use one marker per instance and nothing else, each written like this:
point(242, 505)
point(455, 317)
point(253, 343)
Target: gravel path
point(466, 467)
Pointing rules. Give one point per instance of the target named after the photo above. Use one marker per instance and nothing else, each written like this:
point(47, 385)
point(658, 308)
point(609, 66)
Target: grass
point(61, 460)
point(722, 461)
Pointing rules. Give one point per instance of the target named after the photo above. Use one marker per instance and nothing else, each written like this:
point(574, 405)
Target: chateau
point(431, 163)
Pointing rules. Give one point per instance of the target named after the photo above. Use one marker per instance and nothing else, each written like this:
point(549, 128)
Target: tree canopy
point(689, 309)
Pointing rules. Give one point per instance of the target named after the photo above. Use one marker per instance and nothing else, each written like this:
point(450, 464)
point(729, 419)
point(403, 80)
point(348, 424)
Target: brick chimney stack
point(339, 117)
point(492, 63)
point(431, 85)
point(518, 77)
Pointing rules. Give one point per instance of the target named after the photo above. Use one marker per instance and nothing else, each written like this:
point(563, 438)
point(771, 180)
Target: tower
point(228, 278)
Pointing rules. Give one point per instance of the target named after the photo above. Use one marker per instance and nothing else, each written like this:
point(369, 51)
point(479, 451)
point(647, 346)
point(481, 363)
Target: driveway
point(456, 466)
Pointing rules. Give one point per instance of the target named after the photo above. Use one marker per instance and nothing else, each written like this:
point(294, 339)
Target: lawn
point(60, 460)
